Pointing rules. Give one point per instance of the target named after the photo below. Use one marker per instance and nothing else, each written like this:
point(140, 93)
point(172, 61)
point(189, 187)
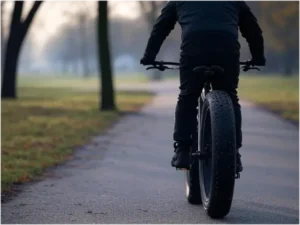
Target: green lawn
point(280, 94)
point(76, 82)
point(42, 127)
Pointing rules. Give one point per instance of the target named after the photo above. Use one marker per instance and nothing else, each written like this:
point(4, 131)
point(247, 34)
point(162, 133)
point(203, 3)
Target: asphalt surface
point(125, 175)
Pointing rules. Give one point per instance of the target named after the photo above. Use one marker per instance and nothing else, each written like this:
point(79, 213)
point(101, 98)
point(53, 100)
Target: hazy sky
point(62, 12)
point(53, 14)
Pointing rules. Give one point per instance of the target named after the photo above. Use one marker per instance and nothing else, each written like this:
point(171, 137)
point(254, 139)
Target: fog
point(62, 39)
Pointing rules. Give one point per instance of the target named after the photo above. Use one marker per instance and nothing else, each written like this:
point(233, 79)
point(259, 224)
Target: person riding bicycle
point(209, 37)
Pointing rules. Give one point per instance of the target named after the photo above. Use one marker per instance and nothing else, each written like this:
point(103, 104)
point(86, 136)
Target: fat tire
point(218, 106)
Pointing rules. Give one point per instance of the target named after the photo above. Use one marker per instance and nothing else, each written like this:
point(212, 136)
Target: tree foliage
point(150, 11)
point(281, 24)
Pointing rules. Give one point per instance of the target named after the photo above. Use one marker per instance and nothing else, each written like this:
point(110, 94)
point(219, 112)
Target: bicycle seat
point(208, 70)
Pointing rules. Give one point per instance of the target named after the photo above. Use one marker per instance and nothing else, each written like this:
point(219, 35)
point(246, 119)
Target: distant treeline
point(73, 49)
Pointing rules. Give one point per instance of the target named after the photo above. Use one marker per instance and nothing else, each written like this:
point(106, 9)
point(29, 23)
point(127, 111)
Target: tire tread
point(224, 153)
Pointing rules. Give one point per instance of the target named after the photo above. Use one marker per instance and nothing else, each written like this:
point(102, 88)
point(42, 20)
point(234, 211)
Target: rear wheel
point(217, 169)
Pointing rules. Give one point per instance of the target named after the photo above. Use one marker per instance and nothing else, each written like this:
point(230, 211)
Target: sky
point(54, 14)
point(61, 11)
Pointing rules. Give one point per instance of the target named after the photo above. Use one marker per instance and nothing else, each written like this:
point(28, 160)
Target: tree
point(150, 10)
point(2, 35)
point(17, 34)
point(81, 17)
point(281, 28)
point(107, 87)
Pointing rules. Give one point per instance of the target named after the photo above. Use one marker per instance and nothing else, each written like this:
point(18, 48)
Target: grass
point(45, 124)
point(68, 81)
point(277, 93)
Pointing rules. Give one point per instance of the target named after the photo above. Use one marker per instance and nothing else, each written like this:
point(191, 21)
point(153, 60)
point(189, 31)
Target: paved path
point(125, 175)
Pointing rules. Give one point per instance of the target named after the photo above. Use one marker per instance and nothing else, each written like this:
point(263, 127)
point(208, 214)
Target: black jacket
point(207, 24)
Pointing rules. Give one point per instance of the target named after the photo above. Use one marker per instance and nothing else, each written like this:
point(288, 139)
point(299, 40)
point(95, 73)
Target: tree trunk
point(12, 51)
point(83, 45)
point(2, 37)
point(17, 34)
point(9, 77)
point(1, 42)
point(107, 88)
point(288, 64)
point(150, 17)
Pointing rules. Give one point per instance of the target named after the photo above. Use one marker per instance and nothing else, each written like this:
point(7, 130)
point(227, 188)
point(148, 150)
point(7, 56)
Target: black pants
point(191, 85)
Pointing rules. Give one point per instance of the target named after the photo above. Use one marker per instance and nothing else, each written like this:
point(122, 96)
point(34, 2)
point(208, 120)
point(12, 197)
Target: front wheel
point(217, 169)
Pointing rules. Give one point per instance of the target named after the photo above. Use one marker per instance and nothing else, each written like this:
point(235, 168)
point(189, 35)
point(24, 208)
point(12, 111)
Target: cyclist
point(209, 37)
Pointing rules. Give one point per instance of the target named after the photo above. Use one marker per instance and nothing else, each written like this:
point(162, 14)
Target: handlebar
point(160, 65)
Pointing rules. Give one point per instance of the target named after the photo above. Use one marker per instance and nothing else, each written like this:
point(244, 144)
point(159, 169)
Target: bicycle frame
point(160, 65)
point(216, 145)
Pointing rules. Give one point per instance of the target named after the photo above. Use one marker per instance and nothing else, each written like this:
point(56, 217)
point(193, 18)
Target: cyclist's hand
point(261, 61)
point(147, 61)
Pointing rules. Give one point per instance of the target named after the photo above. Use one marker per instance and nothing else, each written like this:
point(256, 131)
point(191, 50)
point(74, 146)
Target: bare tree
point(281, 27)
point(107, 87)
point(17, 34)
point(150, 10)
point(83, 46)
point(81, 17)
point(2, 35)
